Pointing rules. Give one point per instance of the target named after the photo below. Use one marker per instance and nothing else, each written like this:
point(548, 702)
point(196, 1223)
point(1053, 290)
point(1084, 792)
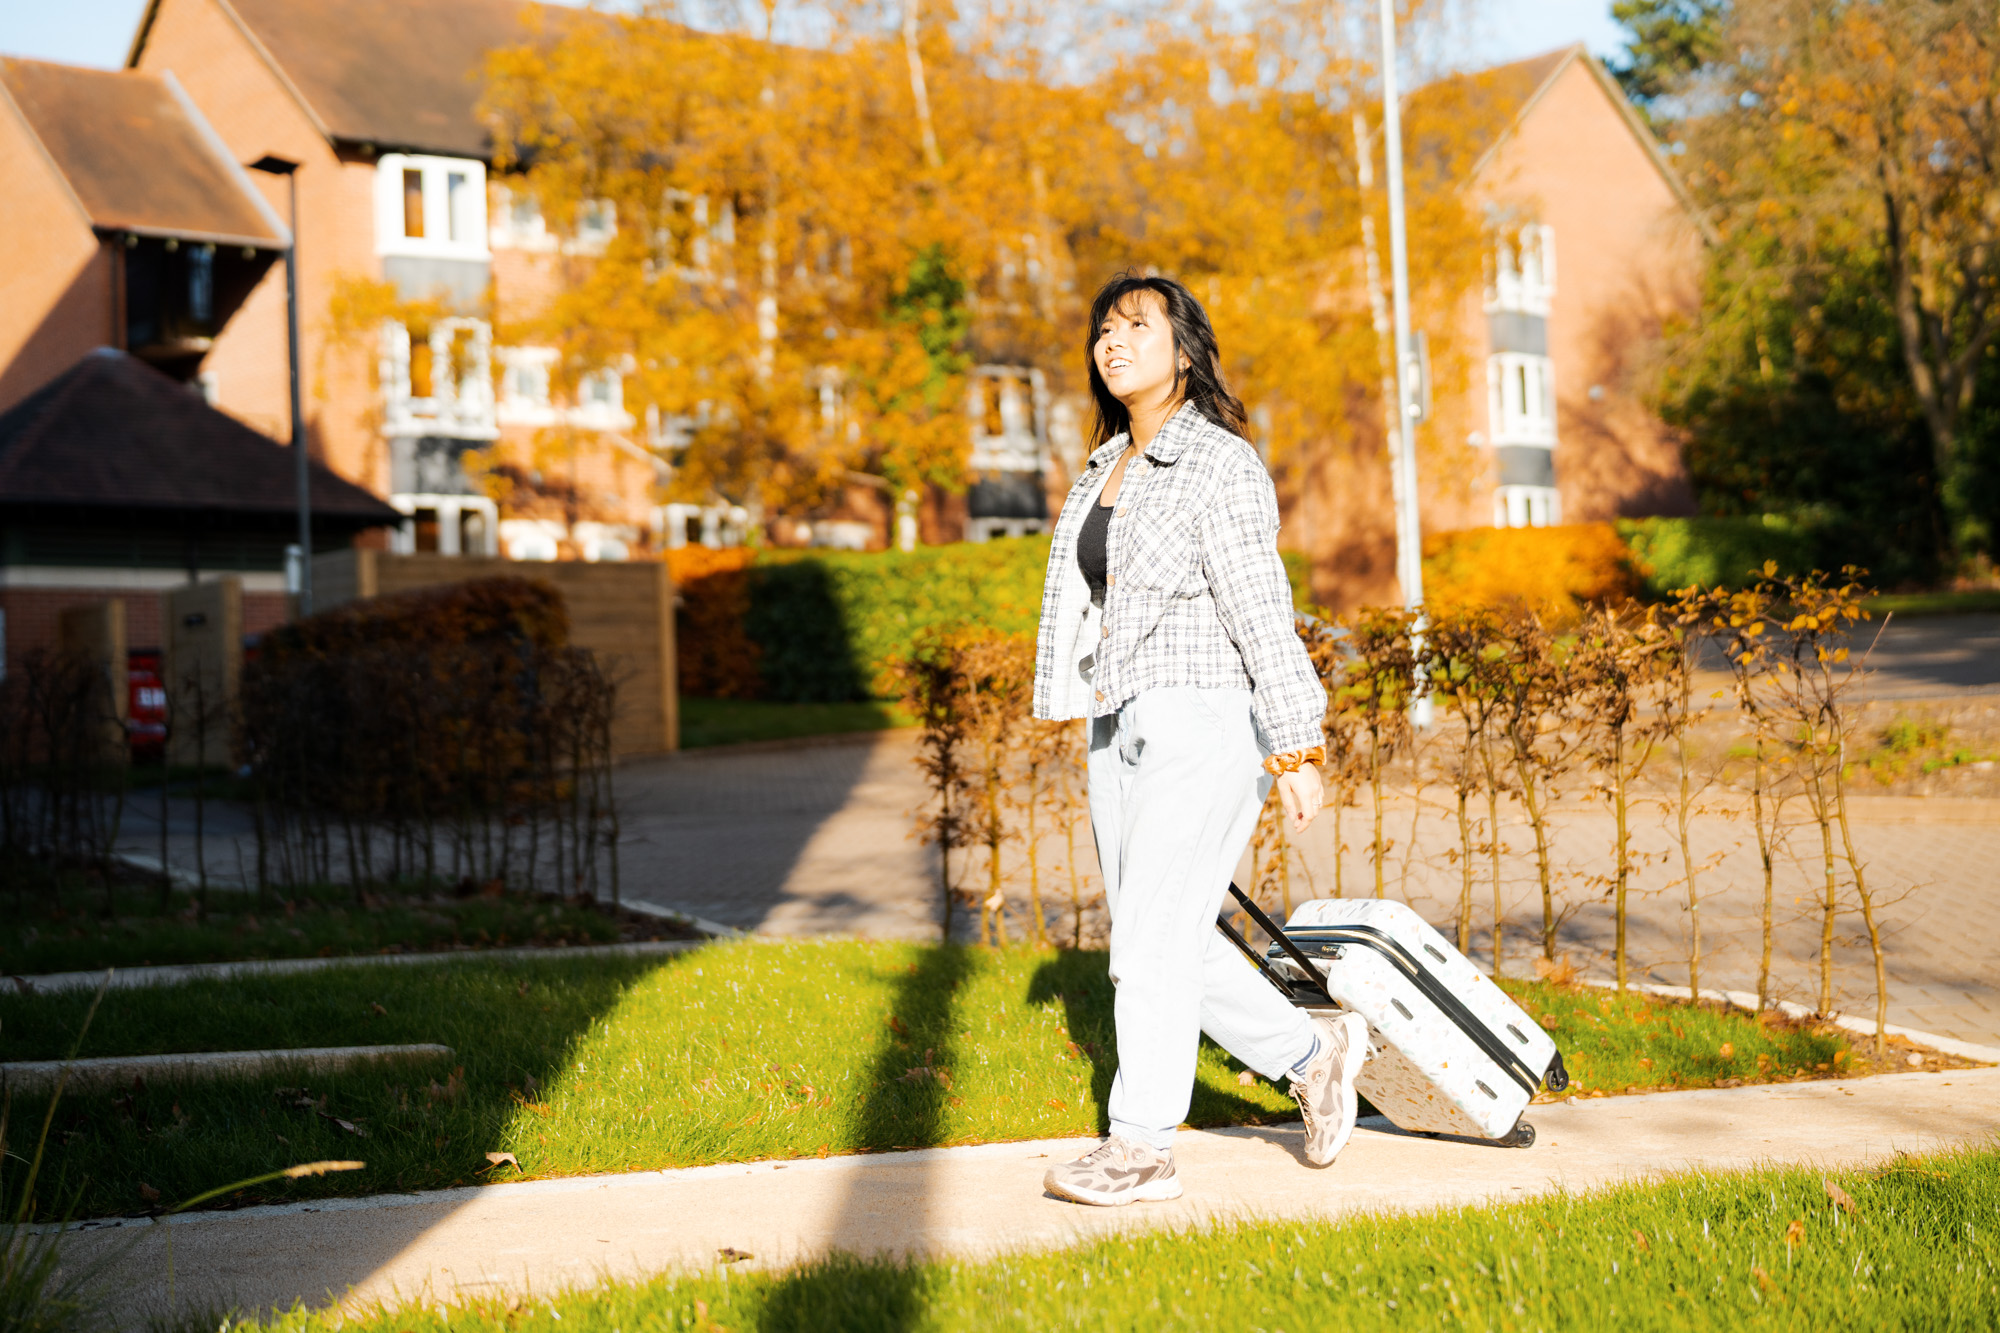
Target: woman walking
point(1167, 622)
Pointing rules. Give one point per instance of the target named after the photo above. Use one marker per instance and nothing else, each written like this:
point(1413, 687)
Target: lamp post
point(1409, 405)
point(302, 476)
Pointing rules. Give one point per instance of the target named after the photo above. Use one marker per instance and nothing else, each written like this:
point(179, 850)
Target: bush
point(826, 626)
point(714, 655)
point(484, 611)
point(457, 720)
point(1674, 553)
point(1550, 570)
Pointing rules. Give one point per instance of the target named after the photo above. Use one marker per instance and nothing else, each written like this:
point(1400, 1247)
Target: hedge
point(1673, 553)
point(1553, 570)
point(824, 626)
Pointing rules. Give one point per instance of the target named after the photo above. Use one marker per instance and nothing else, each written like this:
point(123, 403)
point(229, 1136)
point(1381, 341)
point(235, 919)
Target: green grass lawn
point(707, 722)
point(1920, 1250)
point(1944, 603)
point(74, 931)
point(729, 1053)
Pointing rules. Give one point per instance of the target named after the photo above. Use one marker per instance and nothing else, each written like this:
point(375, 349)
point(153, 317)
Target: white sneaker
point(1326, 1094)
point(1118, 1171)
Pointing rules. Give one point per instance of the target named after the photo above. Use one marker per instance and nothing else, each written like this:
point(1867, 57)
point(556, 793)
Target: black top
point(1093, 555)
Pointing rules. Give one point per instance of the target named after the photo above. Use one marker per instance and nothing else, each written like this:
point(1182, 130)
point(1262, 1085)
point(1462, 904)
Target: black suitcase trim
point(1368, 937)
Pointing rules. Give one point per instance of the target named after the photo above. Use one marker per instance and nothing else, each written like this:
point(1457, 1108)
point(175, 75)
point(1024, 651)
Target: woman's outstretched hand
point(1300, 793)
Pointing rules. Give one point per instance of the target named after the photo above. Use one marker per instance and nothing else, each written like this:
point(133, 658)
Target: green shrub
point(1675, 552)
point(827, 625)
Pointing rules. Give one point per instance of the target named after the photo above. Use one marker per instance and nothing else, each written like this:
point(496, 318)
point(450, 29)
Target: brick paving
point(814, 839)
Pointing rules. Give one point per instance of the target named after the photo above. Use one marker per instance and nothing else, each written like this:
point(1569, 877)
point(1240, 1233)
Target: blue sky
point(96, 32)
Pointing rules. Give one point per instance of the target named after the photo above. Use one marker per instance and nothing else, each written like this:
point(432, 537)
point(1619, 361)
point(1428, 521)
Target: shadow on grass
point(512, 1024)
point(909, 1097)
point(1081, 981)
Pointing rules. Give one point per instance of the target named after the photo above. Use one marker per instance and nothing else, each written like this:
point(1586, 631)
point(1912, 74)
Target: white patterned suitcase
point(1452, 1054)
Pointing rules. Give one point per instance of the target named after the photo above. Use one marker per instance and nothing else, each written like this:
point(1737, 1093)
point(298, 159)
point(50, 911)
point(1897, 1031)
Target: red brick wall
point(34, 616)
point(1627, 255)
point(254, 114)
point(55, 290)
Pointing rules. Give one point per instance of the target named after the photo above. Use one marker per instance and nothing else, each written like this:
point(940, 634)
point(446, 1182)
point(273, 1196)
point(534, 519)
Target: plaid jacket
point(1197, 593)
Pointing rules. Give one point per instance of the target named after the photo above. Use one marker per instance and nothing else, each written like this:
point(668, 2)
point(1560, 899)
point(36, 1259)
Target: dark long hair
point(1194, 338)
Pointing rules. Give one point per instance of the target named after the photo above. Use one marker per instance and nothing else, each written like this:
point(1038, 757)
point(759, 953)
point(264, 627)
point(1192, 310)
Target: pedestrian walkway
point(540, 1237)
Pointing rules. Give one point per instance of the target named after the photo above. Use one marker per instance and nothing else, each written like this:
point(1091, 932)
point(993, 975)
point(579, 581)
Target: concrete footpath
point(544, 1236)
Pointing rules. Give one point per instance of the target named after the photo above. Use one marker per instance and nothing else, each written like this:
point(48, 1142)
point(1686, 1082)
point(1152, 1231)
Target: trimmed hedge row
point(1672, 553)
point(825, 626)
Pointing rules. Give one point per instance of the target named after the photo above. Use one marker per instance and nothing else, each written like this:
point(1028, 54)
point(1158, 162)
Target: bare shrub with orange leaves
point(1556, 572)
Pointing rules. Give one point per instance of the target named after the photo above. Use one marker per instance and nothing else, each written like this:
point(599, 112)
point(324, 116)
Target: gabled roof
point(111, 432)
point(397, 74)
point(136, 154)
point(1519, 86)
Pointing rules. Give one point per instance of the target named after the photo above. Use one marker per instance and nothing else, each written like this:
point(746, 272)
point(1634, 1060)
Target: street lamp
point(1409, 402)
point(278, 166)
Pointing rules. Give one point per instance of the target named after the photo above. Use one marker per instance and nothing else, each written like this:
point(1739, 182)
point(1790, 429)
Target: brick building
point(118, 483)
point(1595, 242)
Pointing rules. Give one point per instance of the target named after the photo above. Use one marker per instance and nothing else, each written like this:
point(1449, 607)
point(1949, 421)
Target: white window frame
point(437, 242)
point(459, 406)
point(1526, 284)
point(1527, 507)
point(516, 408)
point(1521, 399)
point(599, 415)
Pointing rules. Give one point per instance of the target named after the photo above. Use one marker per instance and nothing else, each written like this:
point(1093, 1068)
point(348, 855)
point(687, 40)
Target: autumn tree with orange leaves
point(815, 241)
point(1859, 137)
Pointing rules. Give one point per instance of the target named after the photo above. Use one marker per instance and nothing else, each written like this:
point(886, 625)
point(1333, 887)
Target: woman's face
point(1135, 351)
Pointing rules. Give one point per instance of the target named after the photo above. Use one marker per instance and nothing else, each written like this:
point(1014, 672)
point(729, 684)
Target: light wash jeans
point(1176, 783)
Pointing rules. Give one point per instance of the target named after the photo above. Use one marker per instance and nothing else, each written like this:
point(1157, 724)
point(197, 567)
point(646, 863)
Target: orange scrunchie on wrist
point(1297, 759)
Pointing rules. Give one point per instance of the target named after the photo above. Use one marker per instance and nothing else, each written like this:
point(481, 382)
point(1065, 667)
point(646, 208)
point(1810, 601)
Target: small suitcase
point(1452, 1054)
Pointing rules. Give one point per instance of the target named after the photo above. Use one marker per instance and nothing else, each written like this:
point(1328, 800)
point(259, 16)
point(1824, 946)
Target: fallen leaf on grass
point(1795, 1234)
point(148, 1193)
point(1841, 1198)
point(729, 1254)
point(377, 1007)
point(1245, 1079)
point(1763, 1278)
point(348, 1125)
point(1727, 1051)
point(1639, 1239)
point(896, 1026)
point(503, 1159)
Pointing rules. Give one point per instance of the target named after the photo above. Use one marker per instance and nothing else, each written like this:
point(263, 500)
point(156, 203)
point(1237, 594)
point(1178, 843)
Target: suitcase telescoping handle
point(1277, 934)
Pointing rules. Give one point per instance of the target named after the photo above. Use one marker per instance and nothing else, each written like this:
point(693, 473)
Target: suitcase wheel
point(1557, 1077)
point(1521, 1136)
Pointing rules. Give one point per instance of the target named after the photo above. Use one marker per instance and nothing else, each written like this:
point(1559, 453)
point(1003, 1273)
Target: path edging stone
point(30, 1077)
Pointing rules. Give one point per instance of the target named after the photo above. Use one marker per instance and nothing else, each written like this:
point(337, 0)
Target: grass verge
point(706, 722)
point(81, 929)
point(729, 1053)
point(1915, 1245)
point(1942, 603)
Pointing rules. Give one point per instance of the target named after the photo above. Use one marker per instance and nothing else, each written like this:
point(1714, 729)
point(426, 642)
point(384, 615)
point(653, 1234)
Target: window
point(596, 222)
point(413, 204)
point(601, 390)
point(458, 202)
point(201, 284)
point(1526, 507)
point(1520, 399)
point(430, 207)
point(527, 381)
point(1521, 272)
